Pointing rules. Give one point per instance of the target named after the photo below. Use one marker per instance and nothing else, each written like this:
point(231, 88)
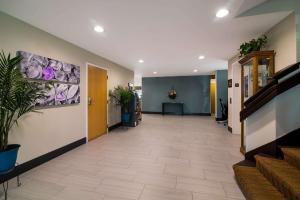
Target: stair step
point(254, 185)
point(292, 156)
point(285, 177)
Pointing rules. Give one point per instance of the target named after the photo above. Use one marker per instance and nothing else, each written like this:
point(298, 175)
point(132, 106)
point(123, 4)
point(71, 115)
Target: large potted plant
point(122, 96)
point(17, 97)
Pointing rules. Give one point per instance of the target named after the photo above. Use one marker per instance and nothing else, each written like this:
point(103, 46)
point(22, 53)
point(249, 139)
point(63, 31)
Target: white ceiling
point(168, 35)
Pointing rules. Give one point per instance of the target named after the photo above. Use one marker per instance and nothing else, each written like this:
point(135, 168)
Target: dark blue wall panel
point(193, 91)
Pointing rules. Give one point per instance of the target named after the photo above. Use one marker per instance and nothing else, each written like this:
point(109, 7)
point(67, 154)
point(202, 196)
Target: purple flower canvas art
point(48, 69)
point(59, 94)
point(59, 80)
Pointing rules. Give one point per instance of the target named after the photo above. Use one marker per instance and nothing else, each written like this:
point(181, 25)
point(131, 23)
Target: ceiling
point(169, 35)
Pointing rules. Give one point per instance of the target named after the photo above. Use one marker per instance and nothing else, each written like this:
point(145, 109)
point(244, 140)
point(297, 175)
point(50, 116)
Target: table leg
point(182, 110)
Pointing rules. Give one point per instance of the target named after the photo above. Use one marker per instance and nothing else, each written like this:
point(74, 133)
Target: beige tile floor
point(165, 158)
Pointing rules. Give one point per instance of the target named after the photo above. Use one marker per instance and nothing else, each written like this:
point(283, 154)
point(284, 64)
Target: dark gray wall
point(193, 91)
point(222, 89)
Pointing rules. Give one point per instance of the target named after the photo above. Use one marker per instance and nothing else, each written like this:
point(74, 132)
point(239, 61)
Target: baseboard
point(168, 113)
point(229, 129)
point(199, 114)
point(114, 126)
point(150, 112)
point(219, 119)
point(24, 167)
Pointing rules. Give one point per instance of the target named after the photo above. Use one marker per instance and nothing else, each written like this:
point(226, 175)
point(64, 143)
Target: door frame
point(87, 94)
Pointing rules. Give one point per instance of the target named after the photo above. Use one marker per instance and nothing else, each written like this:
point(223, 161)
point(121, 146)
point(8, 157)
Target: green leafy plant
point(253, 45)
point(122, 96)
point(17, 95)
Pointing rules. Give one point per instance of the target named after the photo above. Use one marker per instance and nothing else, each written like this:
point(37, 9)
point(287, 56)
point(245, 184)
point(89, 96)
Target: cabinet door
point(248, 79)
point(263, 71)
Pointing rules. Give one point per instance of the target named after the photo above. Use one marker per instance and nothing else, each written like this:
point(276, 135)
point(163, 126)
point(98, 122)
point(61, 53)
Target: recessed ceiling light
point(195, 70)
point(154, 72)
point(99, 29)
point(201, 57)
point(222, 13)
point(141, 61)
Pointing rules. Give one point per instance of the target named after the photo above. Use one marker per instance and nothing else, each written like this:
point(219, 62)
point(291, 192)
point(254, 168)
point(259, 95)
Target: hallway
point(164, 158)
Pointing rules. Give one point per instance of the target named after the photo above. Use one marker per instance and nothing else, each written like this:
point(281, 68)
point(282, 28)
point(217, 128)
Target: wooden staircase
point(271, 178)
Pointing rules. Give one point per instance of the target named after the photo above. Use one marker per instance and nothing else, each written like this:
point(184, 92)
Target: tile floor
point(165, 158)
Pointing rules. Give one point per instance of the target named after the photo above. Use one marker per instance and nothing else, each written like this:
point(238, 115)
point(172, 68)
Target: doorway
point(236, 98)
point(97, 101)
point(212, 97)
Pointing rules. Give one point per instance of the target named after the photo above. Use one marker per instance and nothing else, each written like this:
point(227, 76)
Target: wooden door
point(97, 102)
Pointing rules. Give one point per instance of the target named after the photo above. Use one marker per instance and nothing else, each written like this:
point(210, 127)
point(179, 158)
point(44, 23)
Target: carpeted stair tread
point(254, 185)
point(292, 155)
point(285, 177)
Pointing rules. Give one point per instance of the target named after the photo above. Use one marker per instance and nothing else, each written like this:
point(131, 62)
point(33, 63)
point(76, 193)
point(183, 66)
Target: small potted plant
point(122, 96)
point(17, 97)
point(253, 45)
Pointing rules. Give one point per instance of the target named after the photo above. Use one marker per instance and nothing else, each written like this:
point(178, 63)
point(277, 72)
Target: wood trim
point(242, 106)
point(268, 95)
point(24, 167)
point(115, 126)
point(260, 92)
point(287, 70)
point(255, 53)
point(255, 75)
point(229, 129)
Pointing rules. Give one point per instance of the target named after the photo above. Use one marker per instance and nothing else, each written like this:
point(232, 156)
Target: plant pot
point(8, 158)
point(125, 117)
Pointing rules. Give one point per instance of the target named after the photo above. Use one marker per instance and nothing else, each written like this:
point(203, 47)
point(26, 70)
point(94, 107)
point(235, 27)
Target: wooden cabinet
point(257, 69)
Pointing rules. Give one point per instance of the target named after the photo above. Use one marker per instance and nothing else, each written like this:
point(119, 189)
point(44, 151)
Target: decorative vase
point(8, 158)
point(172, 94)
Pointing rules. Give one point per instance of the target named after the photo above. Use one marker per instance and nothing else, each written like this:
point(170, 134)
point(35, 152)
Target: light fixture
point(141, 61)
point(154, 72)
point(201, 57)
point(99, 29)
point(195, 70)
point(222, 13)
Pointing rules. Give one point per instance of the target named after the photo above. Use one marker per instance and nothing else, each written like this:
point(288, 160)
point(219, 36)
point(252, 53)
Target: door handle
point(89, 100)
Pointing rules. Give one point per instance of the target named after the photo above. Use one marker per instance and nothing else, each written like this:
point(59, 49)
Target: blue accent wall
point(193, 91)
point(222, 89)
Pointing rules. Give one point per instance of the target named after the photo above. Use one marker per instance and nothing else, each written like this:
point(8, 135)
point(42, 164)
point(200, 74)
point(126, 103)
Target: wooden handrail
point(285, 71)
point(260, 92)
point(271, 90)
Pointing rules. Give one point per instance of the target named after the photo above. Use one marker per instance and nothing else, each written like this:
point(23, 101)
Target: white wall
point(274, 120)
point(55, 127)
point(282, 39)
point(234, 71)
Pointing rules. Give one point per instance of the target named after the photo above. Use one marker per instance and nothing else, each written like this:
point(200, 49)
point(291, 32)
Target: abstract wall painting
point(59, 80)
point(48, 69)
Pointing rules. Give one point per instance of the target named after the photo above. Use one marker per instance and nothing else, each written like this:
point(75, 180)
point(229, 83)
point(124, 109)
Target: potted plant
point(17, 97)
point(122, 97)
point(253, 45)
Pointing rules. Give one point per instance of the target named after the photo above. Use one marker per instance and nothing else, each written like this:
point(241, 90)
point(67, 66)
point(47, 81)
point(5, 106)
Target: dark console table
point(172, 103)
